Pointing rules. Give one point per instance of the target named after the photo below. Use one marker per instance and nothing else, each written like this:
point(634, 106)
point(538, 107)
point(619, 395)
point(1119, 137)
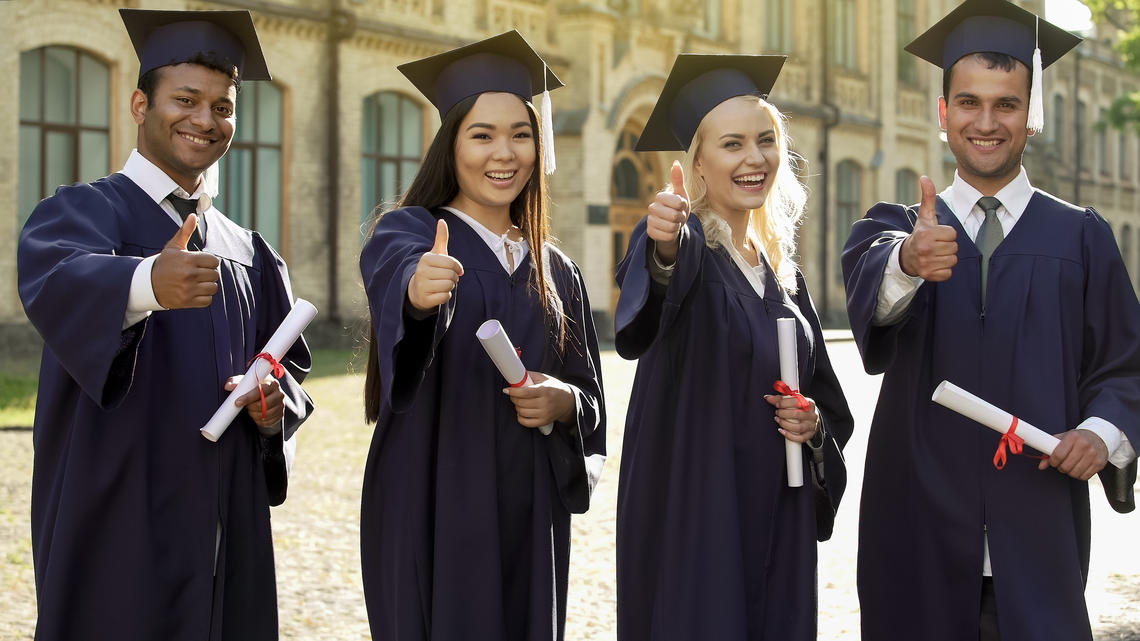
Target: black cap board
point(698, 83)
point(997, 26)
point(165, 38)
point(505, 63)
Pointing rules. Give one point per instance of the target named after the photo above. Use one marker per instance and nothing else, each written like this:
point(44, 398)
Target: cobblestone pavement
point(316, 531)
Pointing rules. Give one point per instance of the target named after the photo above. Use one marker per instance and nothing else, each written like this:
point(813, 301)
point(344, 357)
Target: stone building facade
point(340, 129)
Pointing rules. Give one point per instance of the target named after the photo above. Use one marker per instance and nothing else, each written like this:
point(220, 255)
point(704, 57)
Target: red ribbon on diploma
point(1015, 443)
point(518, 350)
point(277, 370)
point(784, 390)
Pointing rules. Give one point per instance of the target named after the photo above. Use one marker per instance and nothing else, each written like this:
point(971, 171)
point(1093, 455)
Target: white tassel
point(1036, 99)
point(548, 161)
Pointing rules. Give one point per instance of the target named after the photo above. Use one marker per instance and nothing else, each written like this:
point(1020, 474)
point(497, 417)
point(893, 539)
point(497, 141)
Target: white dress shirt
point(509, 252)
point(141, 301)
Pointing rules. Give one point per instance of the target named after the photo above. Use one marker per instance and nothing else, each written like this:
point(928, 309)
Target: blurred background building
point(339, 130)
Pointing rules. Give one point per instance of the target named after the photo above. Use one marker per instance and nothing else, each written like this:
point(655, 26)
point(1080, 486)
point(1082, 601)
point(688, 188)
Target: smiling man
point(149, 301)
point(1020, 298)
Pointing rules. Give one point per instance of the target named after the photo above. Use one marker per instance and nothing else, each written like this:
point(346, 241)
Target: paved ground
point(317, 537)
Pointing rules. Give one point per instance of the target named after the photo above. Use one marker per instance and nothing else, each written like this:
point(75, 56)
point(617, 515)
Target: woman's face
point(738, 156)
point(494, 154)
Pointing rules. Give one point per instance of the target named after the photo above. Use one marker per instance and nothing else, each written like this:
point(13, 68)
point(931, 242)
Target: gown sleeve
point(646, 310)
point(1110, 368)
point(836, 421)
point(405, 345)
point(277, 451)
point(865, 257)
point(74, 286)
point(578, 447)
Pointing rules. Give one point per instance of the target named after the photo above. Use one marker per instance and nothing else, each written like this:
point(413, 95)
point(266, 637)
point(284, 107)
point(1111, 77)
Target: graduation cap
point(503, 63)
point(172, 37)
point(698, 83)
point(997, 26)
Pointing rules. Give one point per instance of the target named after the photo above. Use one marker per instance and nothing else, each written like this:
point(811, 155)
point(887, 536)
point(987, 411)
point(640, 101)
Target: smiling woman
point(465, 515)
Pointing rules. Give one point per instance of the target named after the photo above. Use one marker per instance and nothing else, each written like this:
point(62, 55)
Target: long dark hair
point(435, 185)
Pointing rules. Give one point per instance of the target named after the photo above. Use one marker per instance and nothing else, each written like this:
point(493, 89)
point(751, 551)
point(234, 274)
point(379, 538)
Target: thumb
point(677, 176)
point(182, 236)
point(926, 213)
point(440, 246)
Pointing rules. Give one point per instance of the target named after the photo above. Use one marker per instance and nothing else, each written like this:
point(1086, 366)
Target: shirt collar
point(493, 240)
point(961, 196)
point(158, 185)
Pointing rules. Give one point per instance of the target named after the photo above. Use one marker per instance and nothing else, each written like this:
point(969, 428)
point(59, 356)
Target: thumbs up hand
point(931, 250)
point(667, 214)
point(184, 279)
point(436, 274)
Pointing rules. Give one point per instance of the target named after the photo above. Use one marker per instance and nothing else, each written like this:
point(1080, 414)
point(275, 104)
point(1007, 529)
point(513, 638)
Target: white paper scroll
point(287, 333)
point(953, 397)
point(502, 352)
point(790, 375)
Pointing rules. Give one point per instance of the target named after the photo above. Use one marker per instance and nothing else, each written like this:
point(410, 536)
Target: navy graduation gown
point(126, 493)
point(1059, 341)
point(711, 542)
point(465, 514)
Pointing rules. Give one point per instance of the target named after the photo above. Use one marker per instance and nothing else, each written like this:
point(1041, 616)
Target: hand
point(545, 402)
point(436, 274)
point(795, 424)
point(184, 279)
point(667, 214)
point(1081, 454)
point(274, 401)
point(931, 250)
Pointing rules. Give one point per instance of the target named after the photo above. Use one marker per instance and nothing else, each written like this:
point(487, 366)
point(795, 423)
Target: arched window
point(249, 191)
point(907, 191)
point(393, 147)
point(848, 207)
point(64, 122)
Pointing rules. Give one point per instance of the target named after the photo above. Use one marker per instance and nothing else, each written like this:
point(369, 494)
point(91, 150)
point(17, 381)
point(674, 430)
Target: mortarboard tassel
point(1036, 120)
point(548, 161)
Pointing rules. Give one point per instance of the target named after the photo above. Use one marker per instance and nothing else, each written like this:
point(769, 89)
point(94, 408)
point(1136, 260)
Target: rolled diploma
point(790, 374)
point(282, 339)
point(953, 397)
point(502, 352)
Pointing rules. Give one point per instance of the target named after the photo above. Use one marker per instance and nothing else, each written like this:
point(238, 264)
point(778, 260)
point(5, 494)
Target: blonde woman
point(712, 542)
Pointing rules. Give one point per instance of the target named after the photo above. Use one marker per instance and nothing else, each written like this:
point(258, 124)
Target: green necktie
point(989, 237)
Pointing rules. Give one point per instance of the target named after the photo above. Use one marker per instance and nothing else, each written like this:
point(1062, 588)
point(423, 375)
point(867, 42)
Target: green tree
point(1124, 113)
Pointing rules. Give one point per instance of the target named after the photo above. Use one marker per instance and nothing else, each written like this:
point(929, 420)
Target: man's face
point(191, 122)
point(984, 116)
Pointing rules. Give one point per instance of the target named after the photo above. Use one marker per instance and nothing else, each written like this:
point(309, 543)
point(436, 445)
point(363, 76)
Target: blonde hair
point(774, 223)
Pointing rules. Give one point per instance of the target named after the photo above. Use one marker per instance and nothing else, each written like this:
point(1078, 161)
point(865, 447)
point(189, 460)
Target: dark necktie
point(185, 207)
point(989, 236)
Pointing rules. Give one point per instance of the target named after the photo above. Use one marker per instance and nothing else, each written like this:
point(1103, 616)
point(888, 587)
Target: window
point(393, 147)
point(1057, 131)
point(627, 180)
point(249, 188)
point(848, 196)
point(779, 26)
point(842, 16)
point(1122, 155)
point(1102, 142)
point(1082, 135)
point(906, 27)
point(907, 191)
point(1126, 246)
point(65, 112)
